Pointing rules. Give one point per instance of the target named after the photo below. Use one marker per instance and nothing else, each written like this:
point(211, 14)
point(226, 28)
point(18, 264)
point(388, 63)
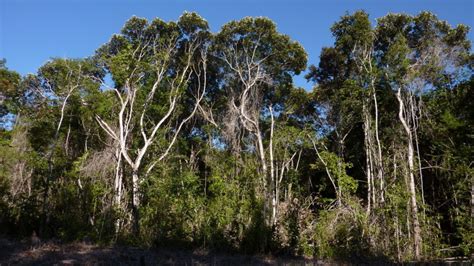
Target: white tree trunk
point(411, 170)
point(380, 171)
point(368, 166)
point(273, 174)
point(128, 110)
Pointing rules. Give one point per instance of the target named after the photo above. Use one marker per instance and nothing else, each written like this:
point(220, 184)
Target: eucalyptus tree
point(258, 62)
point(57, 83)
point(347, 92)
point(152, 65)
point(419, 52)
point(398, 61)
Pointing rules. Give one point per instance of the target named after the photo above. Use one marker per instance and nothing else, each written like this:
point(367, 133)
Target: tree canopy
point(170, 134)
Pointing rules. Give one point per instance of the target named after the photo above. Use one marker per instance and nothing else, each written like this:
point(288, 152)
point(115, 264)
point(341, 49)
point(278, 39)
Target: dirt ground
point(50, 253)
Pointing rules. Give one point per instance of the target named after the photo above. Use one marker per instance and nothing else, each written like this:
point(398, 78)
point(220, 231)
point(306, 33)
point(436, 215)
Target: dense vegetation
point(172, 135)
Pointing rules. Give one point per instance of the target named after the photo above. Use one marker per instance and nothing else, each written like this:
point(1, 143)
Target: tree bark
point(411, 170)
point(380, 170)
point(368, 164)
point(135, 202)
point(45, 213)
point(273, 176)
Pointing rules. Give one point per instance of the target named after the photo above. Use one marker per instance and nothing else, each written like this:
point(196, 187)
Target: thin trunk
point(412, 188)
point(415, 123)
point(380, 171)
point(45, 213)
point(371, 157)
point(371, 161)
point(374, 154)
point(472, 203)
point(367, 160)
point(118, 187)
point(118, 178)
point(273, 178)
point(66, 142)
point(338, 196)
point(397, 234)
point(369, 181)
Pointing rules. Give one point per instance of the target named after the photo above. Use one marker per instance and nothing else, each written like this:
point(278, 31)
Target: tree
point(422, 51)
point(58, 81)
point(400, 59)
point(10, 93)
point(258, 62)
point(152, 65)
point(170, 134)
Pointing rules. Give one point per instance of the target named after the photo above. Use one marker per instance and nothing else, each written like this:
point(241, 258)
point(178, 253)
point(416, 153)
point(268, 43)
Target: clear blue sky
point(32, 31)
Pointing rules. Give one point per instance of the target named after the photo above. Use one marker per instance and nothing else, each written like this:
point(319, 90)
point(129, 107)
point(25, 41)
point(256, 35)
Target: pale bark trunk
point(371, 189)
point(374, 164)
point(267, 184)
point(66, 142)
point(128, 111)
point(368, 171)
point(412, 188)
point(118, 182)
point(135, 201)
point(367, 160)
point(118, 178)
point(273, 178)
point(338, 194)
point(135, 189)
point(118, 187)
point(415, 123)
point(472, 209)
point(45, 213)
point(380, 171)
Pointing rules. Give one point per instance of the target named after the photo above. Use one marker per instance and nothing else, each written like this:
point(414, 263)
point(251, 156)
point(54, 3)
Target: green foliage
point(212, 190)
point(10, 92)
point(338, 170)
point(343, 233)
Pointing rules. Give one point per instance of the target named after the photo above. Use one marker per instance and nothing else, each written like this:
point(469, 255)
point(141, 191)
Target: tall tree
point(258, 62)
point(152, 65)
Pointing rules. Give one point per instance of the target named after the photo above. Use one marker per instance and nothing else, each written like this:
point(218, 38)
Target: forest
point(173, 135)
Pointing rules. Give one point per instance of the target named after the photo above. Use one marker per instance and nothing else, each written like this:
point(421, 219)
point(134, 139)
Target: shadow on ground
point(51, 253)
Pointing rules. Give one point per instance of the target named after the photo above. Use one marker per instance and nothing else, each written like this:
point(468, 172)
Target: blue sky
point(32, 31)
